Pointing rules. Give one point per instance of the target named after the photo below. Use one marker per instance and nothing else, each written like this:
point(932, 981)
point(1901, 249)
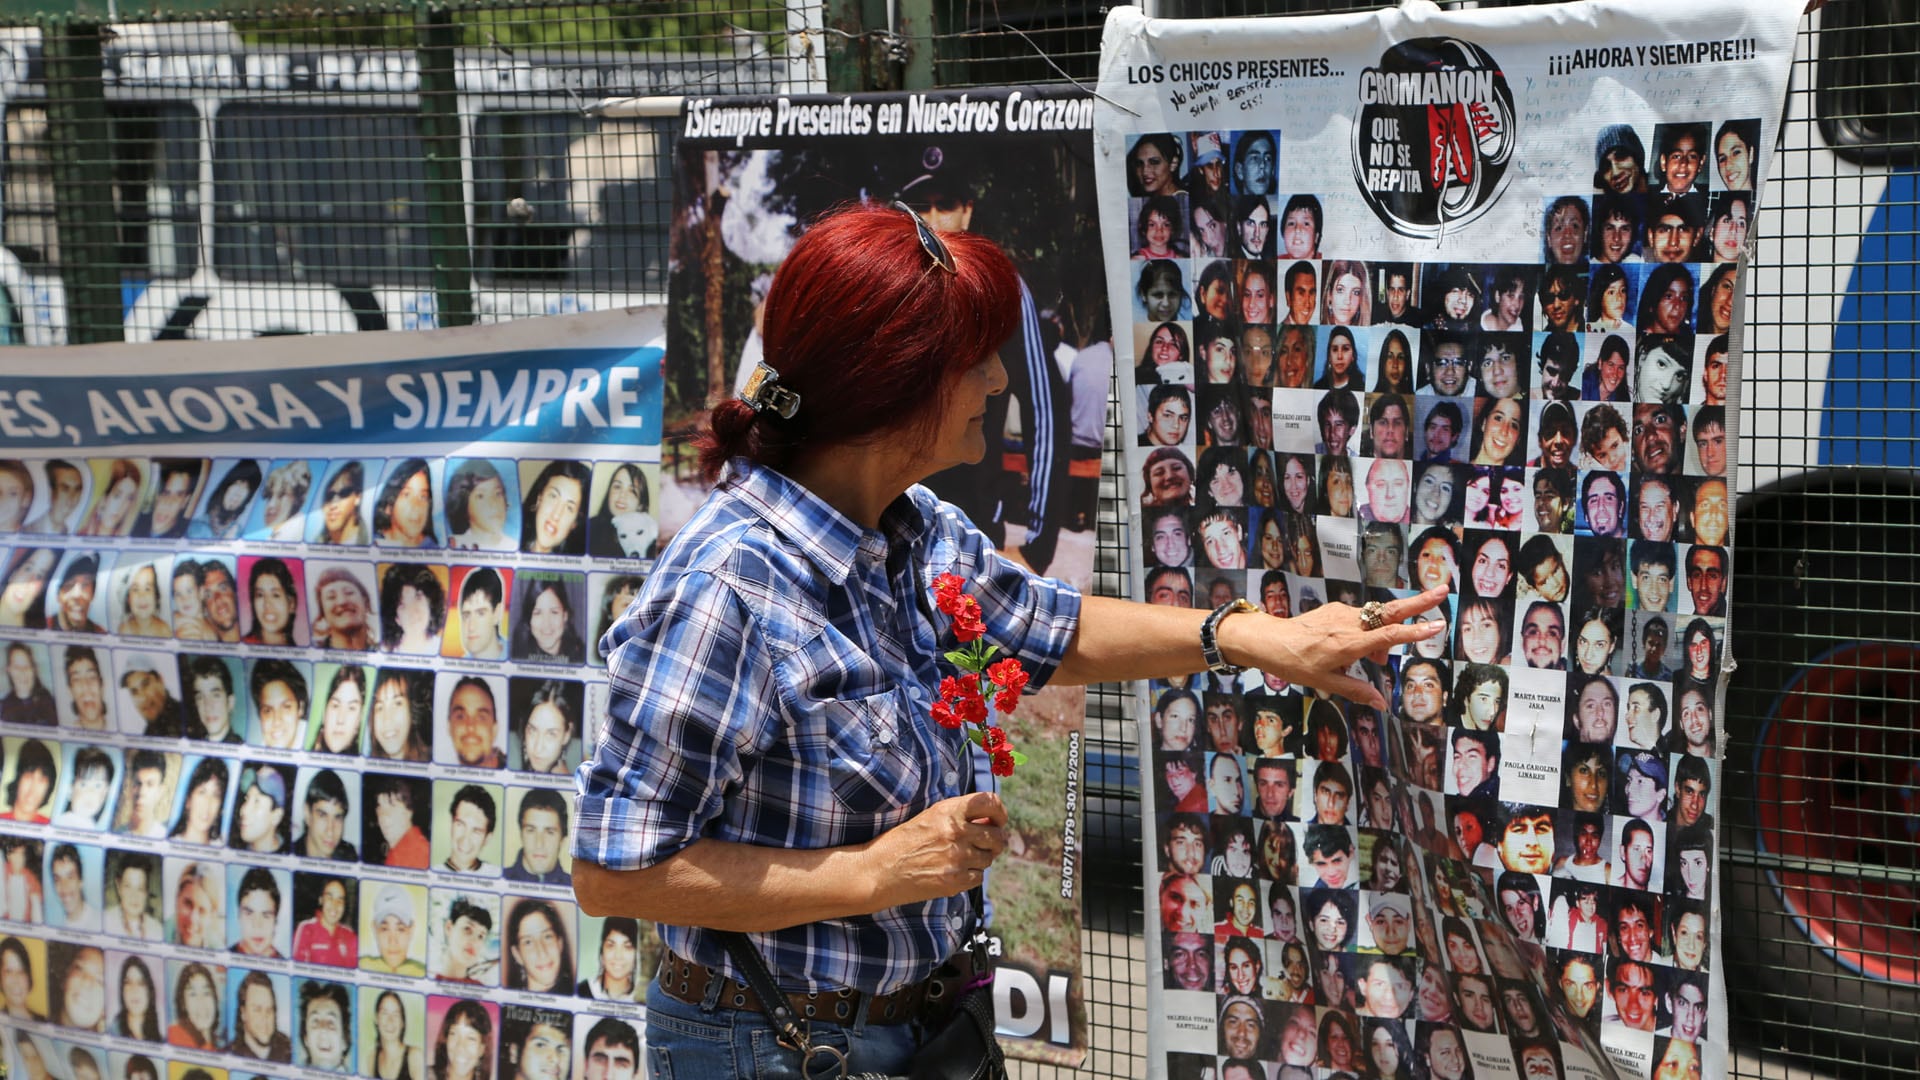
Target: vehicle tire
point(1823, 956)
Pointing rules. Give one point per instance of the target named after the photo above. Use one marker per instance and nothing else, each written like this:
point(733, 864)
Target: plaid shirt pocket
point(874, 764)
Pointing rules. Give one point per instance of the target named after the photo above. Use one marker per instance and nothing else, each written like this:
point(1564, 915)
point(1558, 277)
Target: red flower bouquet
point(964, 698)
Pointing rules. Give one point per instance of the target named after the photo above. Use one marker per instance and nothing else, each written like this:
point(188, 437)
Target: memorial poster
point(301, 653)
point(1015, 165)
point(1411, 298)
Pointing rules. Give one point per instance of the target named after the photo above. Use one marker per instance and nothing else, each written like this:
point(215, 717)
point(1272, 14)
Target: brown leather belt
point(930, 998)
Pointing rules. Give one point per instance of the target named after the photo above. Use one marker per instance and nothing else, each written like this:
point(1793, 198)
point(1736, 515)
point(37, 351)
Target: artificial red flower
point(970, 705)
point(1003, 763)
point(1011, 678)
point(966, 621)
point(947, 593)
point(944, 715)
point(950, 688)
point(994, 738)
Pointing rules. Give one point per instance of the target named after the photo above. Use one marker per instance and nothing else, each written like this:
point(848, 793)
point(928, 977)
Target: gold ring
point(1372, 615)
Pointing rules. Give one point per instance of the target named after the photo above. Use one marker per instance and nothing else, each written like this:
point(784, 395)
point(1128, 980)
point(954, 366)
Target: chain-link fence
point(273, 170)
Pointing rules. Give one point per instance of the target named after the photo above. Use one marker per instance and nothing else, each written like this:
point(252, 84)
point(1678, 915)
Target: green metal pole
point(80, 153)
point(436, 38)
point(915, 26)
point(847, 56)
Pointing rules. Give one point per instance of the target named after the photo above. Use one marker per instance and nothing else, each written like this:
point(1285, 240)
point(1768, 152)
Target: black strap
point(773, 1001)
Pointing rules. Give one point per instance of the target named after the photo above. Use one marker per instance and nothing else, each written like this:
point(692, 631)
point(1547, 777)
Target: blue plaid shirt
point(771, 686)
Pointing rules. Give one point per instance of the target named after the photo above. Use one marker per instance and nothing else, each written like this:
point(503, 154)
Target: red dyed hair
point(871, 334)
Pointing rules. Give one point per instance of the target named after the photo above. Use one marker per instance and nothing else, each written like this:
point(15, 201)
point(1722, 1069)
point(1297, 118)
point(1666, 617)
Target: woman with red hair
point(768, 762)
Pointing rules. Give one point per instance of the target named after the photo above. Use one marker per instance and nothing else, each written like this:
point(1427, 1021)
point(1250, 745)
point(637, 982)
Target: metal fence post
point(436, 37)
point(79, 149)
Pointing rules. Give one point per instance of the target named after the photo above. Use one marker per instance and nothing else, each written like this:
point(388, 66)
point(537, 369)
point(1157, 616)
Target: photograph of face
point(341, 605)
point(280, 514)
point(77, 985)
point(467, 824)
point(340, 513)
point(548, 623)
point(25, 590)
point(28, 780)
point(279, 693)
point(618, 957)
point(262, 820)
point(398, 820)
point(62, 488)
point(478, 625)
point(23, 982)
point(274, 606)
point(214, 703)
point(323, 1025)
point(339, 709)
point(146, 794)
point(605, 1048)
point(539, 821)
point(623, 525)
point(463, 939)
point(82, 681)
point(74, 876)
point(540, 947)
point(196, 991)
point(413, 608)
point(325, 914)
point(140, 1003)
point(201, 814)
point(392, 1032)
point(403, 512)
point(553, 514)
point(393, 928)
point(78, 590)
point(400, 715)
point(482, 505)
point(326, 809)
point(546, 716)
point(258, 1012)
point(461, 1036)
point(138, 596)
point(81, 1062)
point(260, 912)
point(609, 597)
point(231, 488)
point(473, 720)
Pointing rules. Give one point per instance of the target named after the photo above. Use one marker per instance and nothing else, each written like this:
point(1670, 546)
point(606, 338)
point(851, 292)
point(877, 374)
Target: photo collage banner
point(1423, 299)
point(301, 651)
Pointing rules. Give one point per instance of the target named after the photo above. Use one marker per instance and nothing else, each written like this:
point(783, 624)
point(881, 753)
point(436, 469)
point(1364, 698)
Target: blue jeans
point(707, 1042)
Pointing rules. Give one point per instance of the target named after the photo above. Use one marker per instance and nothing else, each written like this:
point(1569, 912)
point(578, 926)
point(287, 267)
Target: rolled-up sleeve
point(689, 693)
point(1031, 616)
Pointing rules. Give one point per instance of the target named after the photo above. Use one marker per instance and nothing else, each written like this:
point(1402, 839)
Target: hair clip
point(763, 391)
point(936, 248)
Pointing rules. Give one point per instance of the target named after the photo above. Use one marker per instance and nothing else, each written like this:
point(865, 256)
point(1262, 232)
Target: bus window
point(27, 206)
point(1868, 101)
point(156, 190)
point(337, 197)
point(156, 193)
point(570, 200)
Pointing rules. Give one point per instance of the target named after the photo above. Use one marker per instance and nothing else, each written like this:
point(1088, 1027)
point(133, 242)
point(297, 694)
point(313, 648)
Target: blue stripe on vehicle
point(1869, 417)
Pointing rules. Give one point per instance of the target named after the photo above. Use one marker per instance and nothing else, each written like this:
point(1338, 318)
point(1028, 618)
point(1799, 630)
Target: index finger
point(1397, 611)
point(984, 806)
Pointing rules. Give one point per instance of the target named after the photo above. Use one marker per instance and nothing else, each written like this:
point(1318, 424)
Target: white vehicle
point(276, 189)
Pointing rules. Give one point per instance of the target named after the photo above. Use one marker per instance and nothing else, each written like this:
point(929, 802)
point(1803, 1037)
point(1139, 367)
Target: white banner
point(1422, 297)
point(302, 652)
